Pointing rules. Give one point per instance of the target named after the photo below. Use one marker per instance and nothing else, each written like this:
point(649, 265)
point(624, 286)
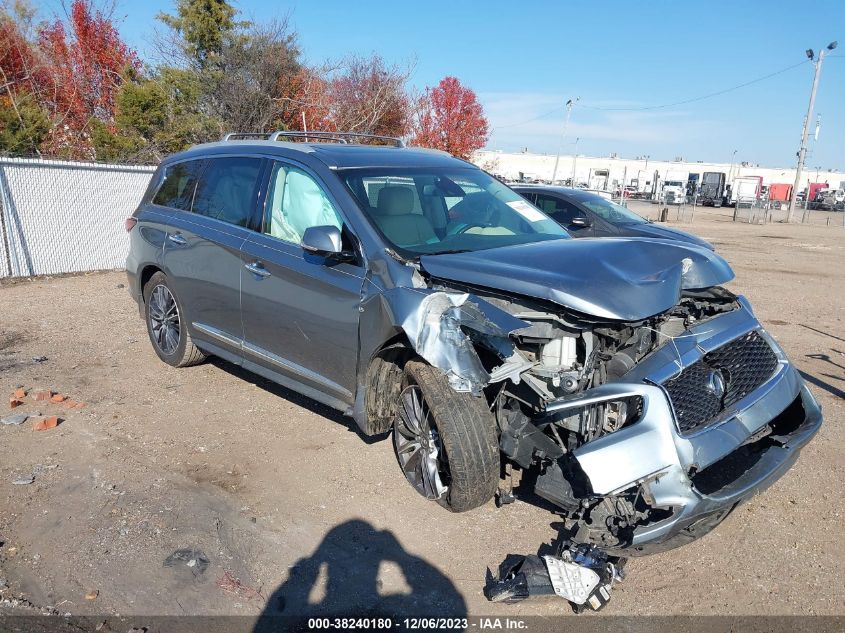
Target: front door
point(300, 311)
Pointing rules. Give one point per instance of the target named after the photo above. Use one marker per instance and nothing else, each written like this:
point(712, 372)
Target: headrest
point(395, 201)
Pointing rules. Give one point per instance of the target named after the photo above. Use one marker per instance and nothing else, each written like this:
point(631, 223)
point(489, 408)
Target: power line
point(702, 97)
point(657, 107)
point(540, 116)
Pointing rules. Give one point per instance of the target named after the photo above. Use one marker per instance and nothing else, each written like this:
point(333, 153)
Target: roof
point(578, 194)
point(334, 155)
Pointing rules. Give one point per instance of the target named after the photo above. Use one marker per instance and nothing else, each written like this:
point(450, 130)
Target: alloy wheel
point(164, 320)
point(418, 446)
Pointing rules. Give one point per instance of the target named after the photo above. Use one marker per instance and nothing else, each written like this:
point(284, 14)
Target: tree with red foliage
point(23, 123)
point(369, 96)
point(86, 67)
point(449, 117)
point(359, 94)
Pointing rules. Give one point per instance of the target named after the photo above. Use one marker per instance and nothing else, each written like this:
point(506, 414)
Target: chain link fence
point(63, 217)
point(747, 212)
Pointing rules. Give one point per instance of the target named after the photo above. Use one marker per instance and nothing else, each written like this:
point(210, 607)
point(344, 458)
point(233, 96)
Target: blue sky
point(527, 58)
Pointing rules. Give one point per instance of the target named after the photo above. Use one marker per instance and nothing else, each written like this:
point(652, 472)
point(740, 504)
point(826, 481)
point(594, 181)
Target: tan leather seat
point(398, 222)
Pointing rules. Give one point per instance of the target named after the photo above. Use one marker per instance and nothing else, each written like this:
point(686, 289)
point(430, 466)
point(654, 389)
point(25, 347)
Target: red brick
point(69, 403)
point(50, 422)
point(20, 393)
point(43, 395)
point(14, 402)
point(58, 398)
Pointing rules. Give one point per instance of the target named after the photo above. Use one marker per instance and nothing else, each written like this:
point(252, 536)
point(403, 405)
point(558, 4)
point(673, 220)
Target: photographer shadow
point(342, 579)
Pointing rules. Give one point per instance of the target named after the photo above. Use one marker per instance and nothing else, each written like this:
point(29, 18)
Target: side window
point(179, 184)
point(227, 190)
point(560, 211)
point(295, 202)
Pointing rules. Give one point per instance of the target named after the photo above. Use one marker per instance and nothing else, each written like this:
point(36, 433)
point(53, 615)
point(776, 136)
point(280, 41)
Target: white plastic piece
point(560, 353)
point(570, 581)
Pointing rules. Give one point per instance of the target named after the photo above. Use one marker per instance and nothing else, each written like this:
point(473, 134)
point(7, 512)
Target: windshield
point(430, 211)
point(610, 211)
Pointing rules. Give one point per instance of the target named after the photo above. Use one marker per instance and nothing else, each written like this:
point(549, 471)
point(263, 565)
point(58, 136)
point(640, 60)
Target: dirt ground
point(290, 507)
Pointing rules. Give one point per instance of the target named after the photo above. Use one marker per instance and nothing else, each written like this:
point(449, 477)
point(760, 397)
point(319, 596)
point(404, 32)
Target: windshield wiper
point(402, 260)
point(453, 251)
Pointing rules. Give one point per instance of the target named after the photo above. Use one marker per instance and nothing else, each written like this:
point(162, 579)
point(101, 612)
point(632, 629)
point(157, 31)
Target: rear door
point(202, 249)
point(300, 311)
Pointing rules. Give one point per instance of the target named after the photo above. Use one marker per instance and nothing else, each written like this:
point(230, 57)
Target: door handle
point(177, 238)
point(257, 269)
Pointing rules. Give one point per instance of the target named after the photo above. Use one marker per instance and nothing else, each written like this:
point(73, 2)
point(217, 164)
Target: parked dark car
point(419, 295)
point(585, 214)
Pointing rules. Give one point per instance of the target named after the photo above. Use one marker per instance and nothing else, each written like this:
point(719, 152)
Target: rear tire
point(464, 433)
point(166, 325)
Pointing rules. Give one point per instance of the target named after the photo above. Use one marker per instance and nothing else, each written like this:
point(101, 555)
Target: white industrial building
point(608, 172)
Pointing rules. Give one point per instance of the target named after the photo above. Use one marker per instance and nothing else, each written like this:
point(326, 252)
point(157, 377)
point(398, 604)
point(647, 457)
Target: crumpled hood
point(625, 279)
point(666, 233)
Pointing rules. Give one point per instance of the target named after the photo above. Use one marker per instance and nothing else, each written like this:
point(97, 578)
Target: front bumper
point(702, 476)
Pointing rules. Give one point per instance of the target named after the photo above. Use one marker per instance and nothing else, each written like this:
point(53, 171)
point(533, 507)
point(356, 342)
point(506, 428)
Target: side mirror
point(324, 241)
point(581, 222)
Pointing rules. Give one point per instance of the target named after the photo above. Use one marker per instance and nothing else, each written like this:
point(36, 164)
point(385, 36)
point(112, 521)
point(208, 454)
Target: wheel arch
point(147, 273)
point(406, 322)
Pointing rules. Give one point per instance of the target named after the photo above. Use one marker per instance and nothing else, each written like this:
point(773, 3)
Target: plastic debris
point(193, 559)
point(24, 480)
point(39, 359)
point(582, 574)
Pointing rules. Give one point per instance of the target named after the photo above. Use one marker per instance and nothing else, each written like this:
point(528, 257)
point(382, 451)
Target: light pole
point(731, 170)
point(569, 105)
point(574, 162)
point(802, 151)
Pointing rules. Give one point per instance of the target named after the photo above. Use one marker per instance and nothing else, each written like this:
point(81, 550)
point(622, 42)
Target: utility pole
point(622, 189)
point(802, 151)
point(731, 170)
point(569, 105)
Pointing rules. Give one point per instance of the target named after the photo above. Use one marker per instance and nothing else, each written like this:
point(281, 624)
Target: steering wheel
point(466, 227)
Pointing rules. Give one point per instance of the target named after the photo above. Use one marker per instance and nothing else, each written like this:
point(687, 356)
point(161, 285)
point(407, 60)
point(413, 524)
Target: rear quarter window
point(179, 185)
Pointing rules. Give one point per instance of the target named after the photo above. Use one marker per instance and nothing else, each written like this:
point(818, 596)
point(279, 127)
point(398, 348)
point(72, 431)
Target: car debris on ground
point(581, 574)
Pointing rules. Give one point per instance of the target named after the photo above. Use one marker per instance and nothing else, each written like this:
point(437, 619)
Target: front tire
point(166, 325)
point(445, 441)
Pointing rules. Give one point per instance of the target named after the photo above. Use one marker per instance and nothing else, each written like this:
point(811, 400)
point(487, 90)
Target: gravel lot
point(290, 506)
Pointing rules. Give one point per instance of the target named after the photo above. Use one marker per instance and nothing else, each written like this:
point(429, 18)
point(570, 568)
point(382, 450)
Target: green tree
point(23, 126)
point(204, 27)
point(156, 116)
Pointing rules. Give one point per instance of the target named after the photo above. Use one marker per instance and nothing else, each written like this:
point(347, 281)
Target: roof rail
point(340, 137)
point(233, 136)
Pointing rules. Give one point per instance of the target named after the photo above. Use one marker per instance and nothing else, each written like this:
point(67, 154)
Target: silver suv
point(419, 295)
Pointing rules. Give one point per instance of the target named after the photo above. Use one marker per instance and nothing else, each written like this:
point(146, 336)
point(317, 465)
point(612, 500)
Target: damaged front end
point(643, 434)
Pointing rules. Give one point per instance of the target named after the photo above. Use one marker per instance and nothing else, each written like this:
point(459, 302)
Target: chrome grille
point(739, 367)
